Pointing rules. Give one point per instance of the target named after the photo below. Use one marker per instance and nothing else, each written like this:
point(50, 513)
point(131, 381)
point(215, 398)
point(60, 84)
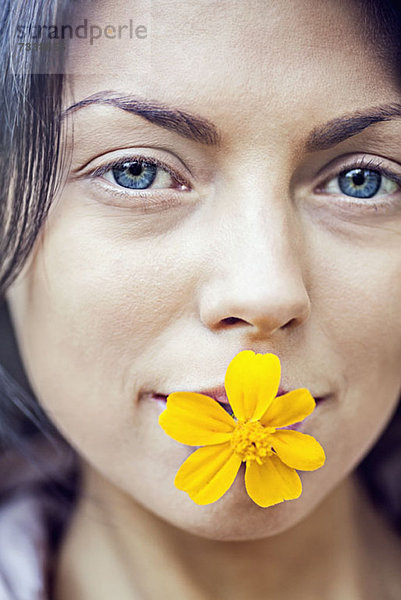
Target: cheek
point(356, 291)
point(99, 298)
point(93, 309)
point(359, 305)
point(363, 313)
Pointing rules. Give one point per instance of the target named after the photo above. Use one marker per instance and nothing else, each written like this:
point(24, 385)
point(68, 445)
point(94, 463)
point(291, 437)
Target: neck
point(116, 548)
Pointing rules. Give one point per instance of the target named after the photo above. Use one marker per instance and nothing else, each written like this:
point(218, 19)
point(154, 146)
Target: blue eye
point(135, 175)
point(359, 182)
point(140, 174)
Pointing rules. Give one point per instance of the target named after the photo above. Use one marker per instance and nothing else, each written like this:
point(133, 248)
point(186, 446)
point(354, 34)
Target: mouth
point(219, 394)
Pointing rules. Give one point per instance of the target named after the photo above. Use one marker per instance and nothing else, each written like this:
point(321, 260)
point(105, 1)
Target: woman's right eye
point(140, 175)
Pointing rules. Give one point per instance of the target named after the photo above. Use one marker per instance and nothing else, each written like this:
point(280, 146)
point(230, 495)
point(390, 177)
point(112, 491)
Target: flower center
point(252, 441)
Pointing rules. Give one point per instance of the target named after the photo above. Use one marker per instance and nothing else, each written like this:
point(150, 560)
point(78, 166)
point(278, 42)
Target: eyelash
point(174, 194)
point(372, 164)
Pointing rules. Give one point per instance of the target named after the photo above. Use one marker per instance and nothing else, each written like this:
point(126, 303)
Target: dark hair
point(31, 95)
point(31, 91)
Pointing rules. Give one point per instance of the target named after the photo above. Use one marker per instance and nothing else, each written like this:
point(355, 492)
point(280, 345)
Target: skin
point(116, 302)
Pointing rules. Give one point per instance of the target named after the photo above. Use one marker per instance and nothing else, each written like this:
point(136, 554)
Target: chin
point(238, 525)
point(235, 517)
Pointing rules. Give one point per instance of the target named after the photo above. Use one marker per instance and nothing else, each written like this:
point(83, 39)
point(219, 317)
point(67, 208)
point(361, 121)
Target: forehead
point(234, 60)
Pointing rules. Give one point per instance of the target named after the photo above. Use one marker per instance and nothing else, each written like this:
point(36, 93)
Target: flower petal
point(195, 419)
point(271, 482)
point(251, 383)
point(289, 408)
point(208, 473)
point(298, 450)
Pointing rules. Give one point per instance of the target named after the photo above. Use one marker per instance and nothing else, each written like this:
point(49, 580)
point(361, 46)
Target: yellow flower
point(255, 434)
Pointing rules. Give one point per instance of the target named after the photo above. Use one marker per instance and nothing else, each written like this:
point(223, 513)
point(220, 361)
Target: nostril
point(290, 323)
point(230, 320)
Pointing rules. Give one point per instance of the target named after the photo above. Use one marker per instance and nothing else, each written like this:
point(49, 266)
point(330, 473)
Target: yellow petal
point(208, 473)
point(251, 383)
point(195, 419)
point(289, 408)
point(298, 450)
point(272, 482)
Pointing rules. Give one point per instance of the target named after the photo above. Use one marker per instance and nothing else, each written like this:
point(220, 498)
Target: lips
point(219, 394)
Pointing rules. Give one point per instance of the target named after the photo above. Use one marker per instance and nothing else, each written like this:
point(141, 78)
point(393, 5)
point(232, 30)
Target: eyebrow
point(339, 129)
point(201, 130)
point(187, 125)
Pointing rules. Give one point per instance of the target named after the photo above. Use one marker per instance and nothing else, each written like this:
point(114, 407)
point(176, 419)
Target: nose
point(255, 274)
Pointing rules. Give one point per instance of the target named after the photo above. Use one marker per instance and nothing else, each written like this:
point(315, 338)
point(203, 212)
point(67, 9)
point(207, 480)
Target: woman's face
point(152, 281)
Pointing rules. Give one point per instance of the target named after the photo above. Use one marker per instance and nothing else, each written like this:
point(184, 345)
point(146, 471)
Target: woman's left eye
point(140, 175)
point(361, 183)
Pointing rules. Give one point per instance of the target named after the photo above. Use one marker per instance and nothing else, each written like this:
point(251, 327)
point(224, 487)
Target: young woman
point(182, 181)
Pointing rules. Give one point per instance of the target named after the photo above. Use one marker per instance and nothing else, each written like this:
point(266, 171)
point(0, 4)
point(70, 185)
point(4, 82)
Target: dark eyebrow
point(187, 125)
point(203, 131)
point(341, 128)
